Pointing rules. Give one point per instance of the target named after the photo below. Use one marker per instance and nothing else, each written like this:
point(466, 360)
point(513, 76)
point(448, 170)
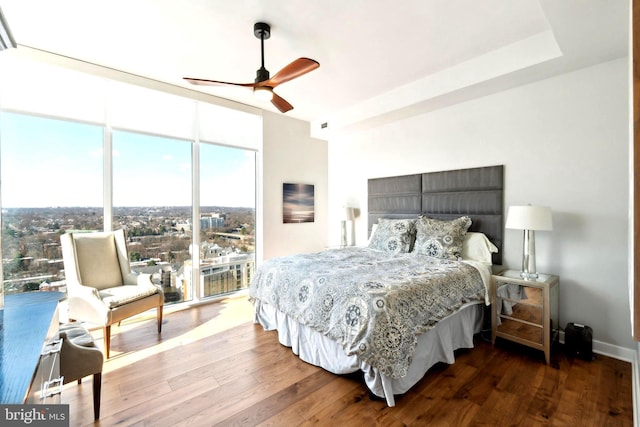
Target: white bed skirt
point(437, 345)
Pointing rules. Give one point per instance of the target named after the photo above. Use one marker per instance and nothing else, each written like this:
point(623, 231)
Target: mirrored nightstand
point(525, 311)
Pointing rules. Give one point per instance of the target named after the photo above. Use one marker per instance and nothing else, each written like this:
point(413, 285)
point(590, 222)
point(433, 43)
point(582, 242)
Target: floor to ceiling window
point(51, 182)
point(227, 218)
point(152, 202)
point(123, 156)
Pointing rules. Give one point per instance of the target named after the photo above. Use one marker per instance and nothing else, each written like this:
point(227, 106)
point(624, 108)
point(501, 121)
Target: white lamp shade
point(529, 218)
point(347, 214)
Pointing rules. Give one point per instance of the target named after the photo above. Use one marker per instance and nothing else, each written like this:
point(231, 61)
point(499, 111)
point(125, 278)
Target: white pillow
point(476, 247)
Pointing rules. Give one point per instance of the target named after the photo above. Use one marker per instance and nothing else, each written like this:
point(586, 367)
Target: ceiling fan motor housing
point(262, 74)
point(262, 30)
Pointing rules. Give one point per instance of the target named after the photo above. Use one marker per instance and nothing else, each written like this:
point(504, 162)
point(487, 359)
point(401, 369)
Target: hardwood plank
point(613, 398)
point(545, 401)
point(212, 366)
point(440, 385)
point(313, 403)
point(352, 408)
point(277, 402)
point(498, 409)
point(222, 411)
point(173, 408)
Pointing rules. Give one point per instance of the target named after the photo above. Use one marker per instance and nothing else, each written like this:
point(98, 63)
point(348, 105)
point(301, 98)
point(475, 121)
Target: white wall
point(291, 155)
point(564, 144)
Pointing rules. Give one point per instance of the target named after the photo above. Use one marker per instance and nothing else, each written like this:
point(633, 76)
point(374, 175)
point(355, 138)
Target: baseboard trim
point(610, 350)
point(635, 388)
point(616, 352)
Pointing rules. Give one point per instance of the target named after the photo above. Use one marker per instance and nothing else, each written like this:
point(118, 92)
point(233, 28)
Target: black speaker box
point(578, 341)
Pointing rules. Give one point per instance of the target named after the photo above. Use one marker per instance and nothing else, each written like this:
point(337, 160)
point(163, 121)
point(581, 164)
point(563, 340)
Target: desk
point(30, 320)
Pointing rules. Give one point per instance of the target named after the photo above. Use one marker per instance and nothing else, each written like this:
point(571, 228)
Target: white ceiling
point(378, 59)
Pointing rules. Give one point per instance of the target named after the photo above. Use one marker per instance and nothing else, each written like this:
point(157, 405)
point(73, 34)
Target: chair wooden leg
point(97, 387)
point(79, 380)
point(159, 318)
point(107, 340)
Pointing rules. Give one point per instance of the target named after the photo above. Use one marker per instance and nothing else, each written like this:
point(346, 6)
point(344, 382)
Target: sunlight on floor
point(236, 311)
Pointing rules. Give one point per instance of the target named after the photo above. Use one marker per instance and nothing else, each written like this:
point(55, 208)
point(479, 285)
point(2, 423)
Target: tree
point(19, 262)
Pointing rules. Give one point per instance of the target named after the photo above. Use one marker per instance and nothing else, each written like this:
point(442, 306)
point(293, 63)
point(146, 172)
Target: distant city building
point(183, 227)
point(210, 221)
point(224, 274)
point(212, 250)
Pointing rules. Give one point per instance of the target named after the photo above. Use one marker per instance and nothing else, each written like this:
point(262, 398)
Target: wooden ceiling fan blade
point(297, 68)
point(263, 86)
point(205, 82)
point(280, 103)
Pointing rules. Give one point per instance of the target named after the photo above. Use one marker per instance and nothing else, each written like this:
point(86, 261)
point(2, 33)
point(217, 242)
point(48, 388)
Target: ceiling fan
point(264, 85)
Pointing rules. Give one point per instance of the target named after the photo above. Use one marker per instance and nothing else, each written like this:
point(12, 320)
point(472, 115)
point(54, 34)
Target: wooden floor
point(213, 366)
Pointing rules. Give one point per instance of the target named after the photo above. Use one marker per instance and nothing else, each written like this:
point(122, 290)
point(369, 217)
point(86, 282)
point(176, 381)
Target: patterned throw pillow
point(393, 235)
point(441, 239)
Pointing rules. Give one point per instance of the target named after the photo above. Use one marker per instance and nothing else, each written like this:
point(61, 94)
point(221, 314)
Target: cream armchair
point(101, 289)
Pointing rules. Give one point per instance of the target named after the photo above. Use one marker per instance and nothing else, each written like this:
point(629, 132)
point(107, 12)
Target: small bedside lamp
point(347, 216)
point(529, 218)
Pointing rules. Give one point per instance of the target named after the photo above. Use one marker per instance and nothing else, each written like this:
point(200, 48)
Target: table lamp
point(530, 219)
point(347, 215)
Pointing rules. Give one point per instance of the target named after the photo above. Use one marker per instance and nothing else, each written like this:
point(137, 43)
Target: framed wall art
point(297, 203)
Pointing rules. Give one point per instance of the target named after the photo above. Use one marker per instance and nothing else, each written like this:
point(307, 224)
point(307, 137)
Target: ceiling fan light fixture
point(263, 93)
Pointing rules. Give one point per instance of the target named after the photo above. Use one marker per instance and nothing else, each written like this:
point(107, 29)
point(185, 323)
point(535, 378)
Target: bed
point(416, 293)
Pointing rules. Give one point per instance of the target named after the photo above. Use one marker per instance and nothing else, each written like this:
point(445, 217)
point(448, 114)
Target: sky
point(48, 162)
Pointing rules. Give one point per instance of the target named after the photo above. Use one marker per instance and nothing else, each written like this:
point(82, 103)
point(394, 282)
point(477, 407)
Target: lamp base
point(529, 256)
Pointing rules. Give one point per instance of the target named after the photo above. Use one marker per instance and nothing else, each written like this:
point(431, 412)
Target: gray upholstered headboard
point(476, 192)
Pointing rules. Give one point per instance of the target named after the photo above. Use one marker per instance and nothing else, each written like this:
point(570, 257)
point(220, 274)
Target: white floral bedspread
point(373, 303)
